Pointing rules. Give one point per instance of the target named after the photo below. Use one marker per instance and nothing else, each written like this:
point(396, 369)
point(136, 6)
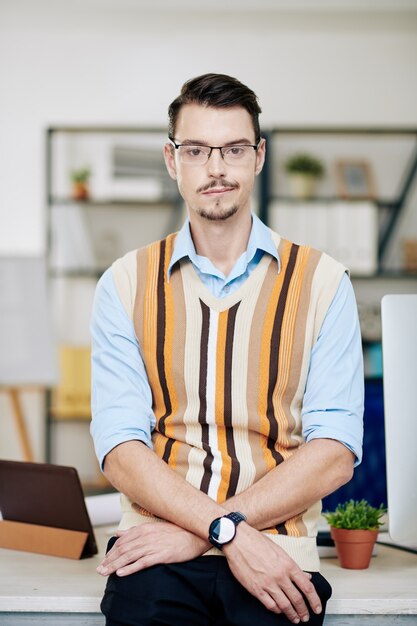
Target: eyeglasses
point(199, 155)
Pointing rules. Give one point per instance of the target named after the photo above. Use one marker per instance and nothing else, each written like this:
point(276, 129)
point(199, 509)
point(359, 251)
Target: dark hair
point(215, 90)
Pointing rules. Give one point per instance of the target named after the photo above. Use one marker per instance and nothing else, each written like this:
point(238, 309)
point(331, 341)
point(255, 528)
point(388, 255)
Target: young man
point(227, 392)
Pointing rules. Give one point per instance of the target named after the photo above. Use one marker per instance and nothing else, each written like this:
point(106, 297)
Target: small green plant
point(304, 163)
point(81, 175)
point(356, 514)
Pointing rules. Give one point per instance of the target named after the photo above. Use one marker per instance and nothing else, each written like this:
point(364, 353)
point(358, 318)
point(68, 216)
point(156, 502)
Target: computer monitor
point(399, 353)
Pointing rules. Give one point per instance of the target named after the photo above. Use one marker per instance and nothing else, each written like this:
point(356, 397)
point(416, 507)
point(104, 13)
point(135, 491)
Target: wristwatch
point(223, 529)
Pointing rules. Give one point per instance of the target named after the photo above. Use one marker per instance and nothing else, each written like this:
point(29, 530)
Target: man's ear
point(260, 156)
point(169, 157)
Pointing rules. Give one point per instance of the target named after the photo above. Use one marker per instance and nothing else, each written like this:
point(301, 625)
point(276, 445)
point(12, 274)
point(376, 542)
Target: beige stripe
point(310, 519)
point(142, 271)
point(124, 276)
point(316, 313)
point(242, 356)
point(329, 273)
point(193, 434)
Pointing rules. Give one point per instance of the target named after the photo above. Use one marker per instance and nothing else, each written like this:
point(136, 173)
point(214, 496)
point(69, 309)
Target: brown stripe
point(274, 354)
point(168, 448)
point(202, 387)
point(231, 450)
point(177, 428)
point(160, 338)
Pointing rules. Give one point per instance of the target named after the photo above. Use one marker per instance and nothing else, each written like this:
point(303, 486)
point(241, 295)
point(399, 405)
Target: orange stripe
point(291, 527)
point(226, 467)
point(159, 442)
point(168, 345)
point(286, 345)
point(150, 328)
point(265, 355)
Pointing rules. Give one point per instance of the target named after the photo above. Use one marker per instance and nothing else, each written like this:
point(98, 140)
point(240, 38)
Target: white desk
point(40, 590)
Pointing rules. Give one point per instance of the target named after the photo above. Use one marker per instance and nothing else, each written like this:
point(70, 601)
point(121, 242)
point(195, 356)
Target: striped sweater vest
point(228, 375)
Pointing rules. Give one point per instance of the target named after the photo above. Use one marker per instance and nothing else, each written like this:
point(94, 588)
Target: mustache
point(217, 183)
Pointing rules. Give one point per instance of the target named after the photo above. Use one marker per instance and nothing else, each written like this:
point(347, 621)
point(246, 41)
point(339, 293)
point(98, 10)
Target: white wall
point(85, 61)
point(112, 62)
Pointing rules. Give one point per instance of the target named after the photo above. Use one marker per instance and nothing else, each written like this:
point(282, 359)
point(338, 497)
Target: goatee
point(219, 216)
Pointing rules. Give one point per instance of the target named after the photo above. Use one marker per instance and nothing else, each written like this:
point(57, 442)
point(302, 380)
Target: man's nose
point(216, 165)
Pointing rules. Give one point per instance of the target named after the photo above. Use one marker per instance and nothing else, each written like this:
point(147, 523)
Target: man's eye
point(194, 152)
point(235, 151)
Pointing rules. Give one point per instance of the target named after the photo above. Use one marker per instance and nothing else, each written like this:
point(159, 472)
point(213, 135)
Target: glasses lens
point(237, 154)
point(194, 154)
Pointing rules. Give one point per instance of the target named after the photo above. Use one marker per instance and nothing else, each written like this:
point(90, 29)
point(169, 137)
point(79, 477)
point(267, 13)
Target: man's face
point(215, 190)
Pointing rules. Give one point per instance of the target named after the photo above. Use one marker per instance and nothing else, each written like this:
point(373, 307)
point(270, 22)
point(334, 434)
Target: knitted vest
point(228, 375)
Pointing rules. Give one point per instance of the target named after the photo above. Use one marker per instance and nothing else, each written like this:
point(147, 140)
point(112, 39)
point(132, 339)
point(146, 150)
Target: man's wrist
point(222, 529)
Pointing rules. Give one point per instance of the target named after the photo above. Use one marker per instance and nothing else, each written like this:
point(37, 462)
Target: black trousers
point(201, 592)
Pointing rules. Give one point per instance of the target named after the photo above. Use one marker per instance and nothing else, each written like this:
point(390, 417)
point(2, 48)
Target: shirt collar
point(260, 239)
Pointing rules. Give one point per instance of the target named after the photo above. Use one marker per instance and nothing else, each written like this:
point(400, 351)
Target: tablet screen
point(46, 495)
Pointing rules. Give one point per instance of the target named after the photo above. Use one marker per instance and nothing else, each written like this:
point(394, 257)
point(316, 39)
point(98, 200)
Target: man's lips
point(215, 188)
point(217, 191)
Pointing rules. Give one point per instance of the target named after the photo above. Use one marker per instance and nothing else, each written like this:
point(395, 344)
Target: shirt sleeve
point(334, 395)
point(121, 397)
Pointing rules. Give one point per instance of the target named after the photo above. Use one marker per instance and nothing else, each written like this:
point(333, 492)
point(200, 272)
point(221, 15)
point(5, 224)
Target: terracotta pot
point(80, 191)
point(354, 547)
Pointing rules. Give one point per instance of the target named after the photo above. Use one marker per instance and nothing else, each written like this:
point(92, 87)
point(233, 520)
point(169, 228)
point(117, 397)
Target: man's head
point(216, 150)
point(218, 91)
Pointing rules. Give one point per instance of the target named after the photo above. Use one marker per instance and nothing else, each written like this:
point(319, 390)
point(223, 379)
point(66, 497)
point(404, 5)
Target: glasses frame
point(221, 148)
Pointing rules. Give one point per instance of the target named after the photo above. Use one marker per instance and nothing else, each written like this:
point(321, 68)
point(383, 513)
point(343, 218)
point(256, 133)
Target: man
point(227, 392)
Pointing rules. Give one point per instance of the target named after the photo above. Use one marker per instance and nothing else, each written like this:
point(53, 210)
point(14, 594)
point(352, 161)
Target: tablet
point(46, 495)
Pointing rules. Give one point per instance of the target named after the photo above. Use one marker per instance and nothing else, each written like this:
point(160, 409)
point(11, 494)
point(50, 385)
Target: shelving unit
point(391, 155)
point(390, 152)
point(131, 202)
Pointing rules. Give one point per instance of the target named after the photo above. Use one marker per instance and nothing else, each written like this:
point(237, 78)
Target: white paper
point(104, 509)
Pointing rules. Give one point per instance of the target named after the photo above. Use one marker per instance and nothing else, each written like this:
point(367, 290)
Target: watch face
point(223, 530)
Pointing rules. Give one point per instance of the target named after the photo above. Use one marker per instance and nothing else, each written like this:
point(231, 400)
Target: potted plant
point(304, 171)
point(354, 528)
point(80, 179)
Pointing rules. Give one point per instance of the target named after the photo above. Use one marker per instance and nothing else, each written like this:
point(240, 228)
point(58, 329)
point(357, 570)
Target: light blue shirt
point(121, 395)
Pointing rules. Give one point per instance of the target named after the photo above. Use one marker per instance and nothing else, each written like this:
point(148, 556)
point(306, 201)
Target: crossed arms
point(260, 566)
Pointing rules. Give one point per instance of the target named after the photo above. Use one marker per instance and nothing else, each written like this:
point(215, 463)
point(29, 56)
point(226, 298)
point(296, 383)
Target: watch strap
point(236, 517)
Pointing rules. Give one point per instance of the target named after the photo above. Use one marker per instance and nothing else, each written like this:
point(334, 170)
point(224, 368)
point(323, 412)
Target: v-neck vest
point(228, 374)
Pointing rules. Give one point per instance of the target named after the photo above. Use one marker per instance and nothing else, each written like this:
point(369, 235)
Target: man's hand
point(151, 544)
point(269, 574)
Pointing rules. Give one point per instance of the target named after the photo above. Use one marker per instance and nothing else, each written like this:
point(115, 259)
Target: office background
point(120, 62)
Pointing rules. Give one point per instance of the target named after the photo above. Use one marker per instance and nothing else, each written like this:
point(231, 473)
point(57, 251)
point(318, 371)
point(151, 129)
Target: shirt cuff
point(107, 439)
point(343, 436)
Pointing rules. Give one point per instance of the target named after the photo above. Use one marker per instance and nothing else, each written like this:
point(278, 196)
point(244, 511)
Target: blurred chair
point(71, 398)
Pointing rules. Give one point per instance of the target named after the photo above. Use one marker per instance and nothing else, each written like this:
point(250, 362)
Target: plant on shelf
point(354, 528)
point(304, 171)
point(80, 183)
